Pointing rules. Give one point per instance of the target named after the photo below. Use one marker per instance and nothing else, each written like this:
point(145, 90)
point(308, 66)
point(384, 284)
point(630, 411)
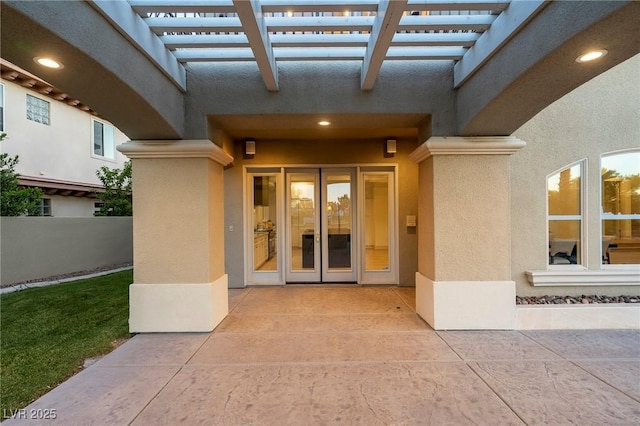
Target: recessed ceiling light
point(324, 123)
point(591, 55)
point(48, 62)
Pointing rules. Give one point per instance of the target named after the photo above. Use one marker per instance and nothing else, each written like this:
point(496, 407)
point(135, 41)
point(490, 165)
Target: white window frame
point(578, 275)
point(45, 207)
point(604, 216)
point(392, 274)
point(251, 277)
point(582, 217)
point(108, 147)
point(97, 206)
point(47, 118)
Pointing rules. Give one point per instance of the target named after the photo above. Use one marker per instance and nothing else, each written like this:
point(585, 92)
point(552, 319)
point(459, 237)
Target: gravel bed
point(574, 300)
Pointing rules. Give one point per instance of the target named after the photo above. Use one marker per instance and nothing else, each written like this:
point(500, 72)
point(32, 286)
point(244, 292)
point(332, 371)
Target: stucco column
point(178, 236)
point(464, 234)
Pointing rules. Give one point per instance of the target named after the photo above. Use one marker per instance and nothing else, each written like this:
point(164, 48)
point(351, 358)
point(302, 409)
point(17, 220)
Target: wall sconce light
point(391, 146)
point(250, 147)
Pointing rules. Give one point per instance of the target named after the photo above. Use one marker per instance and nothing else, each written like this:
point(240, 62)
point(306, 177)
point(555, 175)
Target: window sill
point(102, 158)
point(584, 277)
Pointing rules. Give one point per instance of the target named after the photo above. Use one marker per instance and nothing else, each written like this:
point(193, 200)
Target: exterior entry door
point(321, 226)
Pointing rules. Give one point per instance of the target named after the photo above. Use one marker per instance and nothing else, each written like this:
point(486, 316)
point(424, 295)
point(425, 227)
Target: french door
point(321, 225)
point(321, 212)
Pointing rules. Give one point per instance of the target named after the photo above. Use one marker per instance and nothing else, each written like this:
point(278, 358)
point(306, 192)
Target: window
point(564, 215)
point(37, 110)
point(45, 207)
point(620, 212)
point(618, 241)
point(1, 107)
point(103, 141)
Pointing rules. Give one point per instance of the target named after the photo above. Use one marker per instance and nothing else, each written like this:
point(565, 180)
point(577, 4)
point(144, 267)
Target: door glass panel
point(339, 221)
point(303, 230)
point(265, 217)
point(376, 212)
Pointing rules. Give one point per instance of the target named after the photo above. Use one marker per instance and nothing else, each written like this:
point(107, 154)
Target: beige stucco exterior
point(175, 212)
point(599, 117)
point(471, 217)
point(463, 276)
point(481, 212)
point(482, 222)
point(454, 238)
point(179, 278)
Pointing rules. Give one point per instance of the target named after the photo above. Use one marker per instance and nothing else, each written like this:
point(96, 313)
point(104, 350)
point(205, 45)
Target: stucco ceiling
point(305, 126)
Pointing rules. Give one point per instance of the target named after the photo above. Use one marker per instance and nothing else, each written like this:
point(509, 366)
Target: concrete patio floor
point(353, 356)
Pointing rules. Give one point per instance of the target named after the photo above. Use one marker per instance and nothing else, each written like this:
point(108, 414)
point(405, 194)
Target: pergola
point(367, 31)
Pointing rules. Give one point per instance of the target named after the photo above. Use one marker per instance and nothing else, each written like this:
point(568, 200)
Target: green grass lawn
point(46, 333)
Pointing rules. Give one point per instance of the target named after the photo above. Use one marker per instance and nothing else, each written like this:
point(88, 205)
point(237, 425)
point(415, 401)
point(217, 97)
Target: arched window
point(564, 214)
point(620, 207)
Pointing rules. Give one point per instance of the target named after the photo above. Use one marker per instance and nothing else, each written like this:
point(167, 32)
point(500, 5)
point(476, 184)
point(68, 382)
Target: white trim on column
point(178, 307)
point(187, 148)
point(466, 305)
point(467, 145)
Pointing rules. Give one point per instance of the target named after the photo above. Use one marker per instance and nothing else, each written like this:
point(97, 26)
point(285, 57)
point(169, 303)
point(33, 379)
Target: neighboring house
point(435, 144)
point(61, 143)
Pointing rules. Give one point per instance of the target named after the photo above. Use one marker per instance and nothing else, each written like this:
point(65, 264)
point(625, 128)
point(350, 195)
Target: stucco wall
point(471, 218)
point(39, 247)
point(177, 241)
point(601, 116)
point(324, 152)
point(71, 206)
point(320, 87)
